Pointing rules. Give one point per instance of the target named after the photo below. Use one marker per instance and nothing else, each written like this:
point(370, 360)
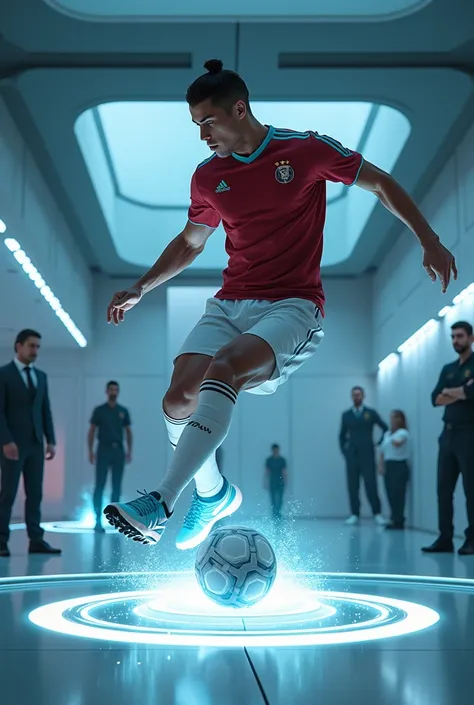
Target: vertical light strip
point(28, 267)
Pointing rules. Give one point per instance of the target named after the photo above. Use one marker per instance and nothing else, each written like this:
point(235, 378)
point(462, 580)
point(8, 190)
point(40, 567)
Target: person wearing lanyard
point(455, 391)
point(393, 464)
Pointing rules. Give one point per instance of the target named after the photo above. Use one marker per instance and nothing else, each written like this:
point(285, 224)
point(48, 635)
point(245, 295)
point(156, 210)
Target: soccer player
point(268, 187)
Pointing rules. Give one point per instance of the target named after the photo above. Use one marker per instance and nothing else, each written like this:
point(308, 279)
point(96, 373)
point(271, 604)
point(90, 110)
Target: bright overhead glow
point(28, 267)
point(3, 227)
point(149, 170)
point(442, 312)
point(388, 362)
point(418, 336)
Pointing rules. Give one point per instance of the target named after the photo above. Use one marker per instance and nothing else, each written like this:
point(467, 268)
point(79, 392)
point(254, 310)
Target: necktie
point(31, 386)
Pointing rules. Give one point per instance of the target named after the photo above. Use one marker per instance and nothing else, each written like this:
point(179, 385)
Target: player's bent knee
point(179, 401)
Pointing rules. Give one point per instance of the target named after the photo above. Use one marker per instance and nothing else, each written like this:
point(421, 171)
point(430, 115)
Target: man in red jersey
point(268, 187)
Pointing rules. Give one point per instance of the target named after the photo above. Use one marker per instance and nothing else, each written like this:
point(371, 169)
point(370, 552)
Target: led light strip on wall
point(391, 360)
point(45, 291)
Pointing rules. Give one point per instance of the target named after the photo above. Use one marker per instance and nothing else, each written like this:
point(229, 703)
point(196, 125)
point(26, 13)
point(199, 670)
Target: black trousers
point(108, 458)
point(31, 465)
point(362, 465)
point(276, 497)
point(455, 457)
point(397, 473)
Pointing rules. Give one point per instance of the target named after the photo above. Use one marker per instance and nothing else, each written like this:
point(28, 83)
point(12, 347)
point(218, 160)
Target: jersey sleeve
point(95, 418)
point(126, 418)
point(200, 212)
point(333, 161)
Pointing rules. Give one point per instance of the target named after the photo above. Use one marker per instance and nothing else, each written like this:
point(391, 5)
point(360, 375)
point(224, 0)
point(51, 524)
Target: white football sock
point(208, 478)
point(204, 432)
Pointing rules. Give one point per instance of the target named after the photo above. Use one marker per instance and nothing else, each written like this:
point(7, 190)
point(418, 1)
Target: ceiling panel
point(215, 10)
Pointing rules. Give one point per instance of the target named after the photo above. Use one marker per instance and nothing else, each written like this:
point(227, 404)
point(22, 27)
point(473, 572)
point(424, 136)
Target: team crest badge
point(284, 172)
point(121, 415)
point(467, 373)
point(367, 416)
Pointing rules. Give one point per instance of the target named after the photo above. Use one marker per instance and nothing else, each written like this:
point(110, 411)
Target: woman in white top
point(393, 464)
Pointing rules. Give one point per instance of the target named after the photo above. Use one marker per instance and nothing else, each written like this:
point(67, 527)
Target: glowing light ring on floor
point(66, 527)
point(324, 617)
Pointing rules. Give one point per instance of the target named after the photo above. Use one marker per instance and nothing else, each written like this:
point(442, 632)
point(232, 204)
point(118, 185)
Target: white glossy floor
point(433, 666)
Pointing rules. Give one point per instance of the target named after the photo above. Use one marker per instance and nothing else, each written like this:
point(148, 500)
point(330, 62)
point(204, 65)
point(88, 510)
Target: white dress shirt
point(358, 411)
point(21, 369)
point(391, 452)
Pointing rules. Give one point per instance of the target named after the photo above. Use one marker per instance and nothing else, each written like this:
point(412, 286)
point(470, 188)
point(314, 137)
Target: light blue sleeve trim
point(358, 172)
point(204, 225)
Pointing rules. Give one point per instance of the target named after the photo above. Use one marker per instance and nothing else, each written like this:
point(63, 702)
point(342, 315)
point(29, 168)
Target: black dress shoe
point(467, 549)
point(439, 546)
point(4, 552)
point(43, 547)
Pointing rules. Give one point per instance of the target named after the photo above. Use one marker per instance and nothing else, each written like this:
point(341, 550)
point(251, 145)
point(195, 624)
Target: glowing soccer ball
point(235, 566)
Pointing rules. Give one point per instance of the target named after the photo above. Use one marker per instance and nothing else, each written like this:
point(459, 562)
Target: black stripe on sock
point(210, 388)
point(222, 385)
point(176, 422)
point(217, 384)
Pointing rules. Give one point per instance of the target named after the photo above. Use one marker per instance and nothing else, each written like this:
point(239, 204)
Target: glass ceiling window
point(216, 10)
point(154, 148)
point(141, 157)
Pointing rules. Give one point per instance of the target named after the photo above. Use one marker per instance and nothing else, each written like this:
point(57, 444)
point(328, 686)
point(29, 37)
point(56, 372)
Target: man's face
point(357, 397)
point(219, 129)
point(461, 340)
point(276, 451)
point(113, 392)
point(28, 351)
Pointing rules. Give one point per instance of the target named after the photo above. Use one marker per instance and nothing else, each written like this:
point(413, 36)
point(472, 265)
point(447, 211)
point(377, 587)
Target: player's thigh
point(292, 328)
point(246, 361)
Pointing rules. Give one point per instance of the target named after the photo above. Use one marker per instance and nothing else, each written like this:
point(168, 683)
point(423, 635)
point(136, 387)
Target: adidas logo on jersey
point(222, 187)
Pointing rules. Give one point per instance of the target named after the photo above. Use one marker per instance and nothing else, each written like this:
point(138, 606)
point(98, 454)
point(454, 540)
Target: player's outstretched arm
point(437, 260)
point(178, 255)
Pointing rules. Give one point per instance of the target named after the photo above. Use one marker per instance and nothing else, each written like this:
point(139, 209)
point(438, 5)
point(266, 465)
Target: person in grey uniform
point(110, 421)
point(26, 423)
point(357, 446)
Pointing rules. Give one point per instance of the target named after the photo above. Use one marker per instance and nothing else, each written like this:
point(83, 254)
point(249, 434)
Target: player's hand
point(439, 262)
point(50, 451)
point(92, 458)
point(10, 451)
point(122, 301)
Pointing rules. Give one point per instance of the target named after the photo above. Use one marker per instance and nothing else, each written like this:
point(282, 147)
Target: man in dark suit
point(357, 445)
point(25, 421)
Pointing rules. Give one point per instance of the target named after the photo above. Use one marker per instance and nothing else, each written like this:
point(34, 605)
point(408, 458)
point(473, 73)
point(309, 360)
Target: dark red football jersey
point(273, 207)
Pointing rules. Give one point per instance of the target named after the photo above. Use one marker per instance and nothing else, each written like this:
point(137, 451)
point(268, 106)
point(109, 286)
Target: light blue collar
point(258, 151)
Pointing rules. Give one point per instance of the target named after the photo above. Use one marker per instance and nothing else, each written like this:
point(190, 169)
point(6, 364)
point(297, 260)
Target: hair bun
point(214, 65)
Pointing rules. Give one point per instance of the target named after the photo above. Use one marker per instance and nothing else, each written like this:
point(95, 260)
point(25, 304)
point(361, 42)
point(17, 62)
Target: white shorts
point(292, 328)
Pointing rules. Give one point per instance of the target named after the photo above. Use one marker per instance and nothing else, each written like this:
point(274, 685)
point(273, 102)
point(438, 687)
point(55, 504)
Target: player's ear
point(240, 109)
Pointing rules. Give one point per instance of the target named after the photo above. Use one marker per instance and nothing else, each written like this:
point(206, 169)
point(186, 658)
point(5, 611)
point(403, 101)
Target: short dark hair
point(463, 325)
point(112, 383)
point(23, 336)
point(222, 86)
point(275, 445)
point(358, 387)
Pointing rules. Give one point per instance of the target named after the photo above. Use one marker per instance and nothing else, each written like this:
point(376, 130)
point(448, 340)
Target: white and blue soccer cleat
point(205, 512)
point(143, 519)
